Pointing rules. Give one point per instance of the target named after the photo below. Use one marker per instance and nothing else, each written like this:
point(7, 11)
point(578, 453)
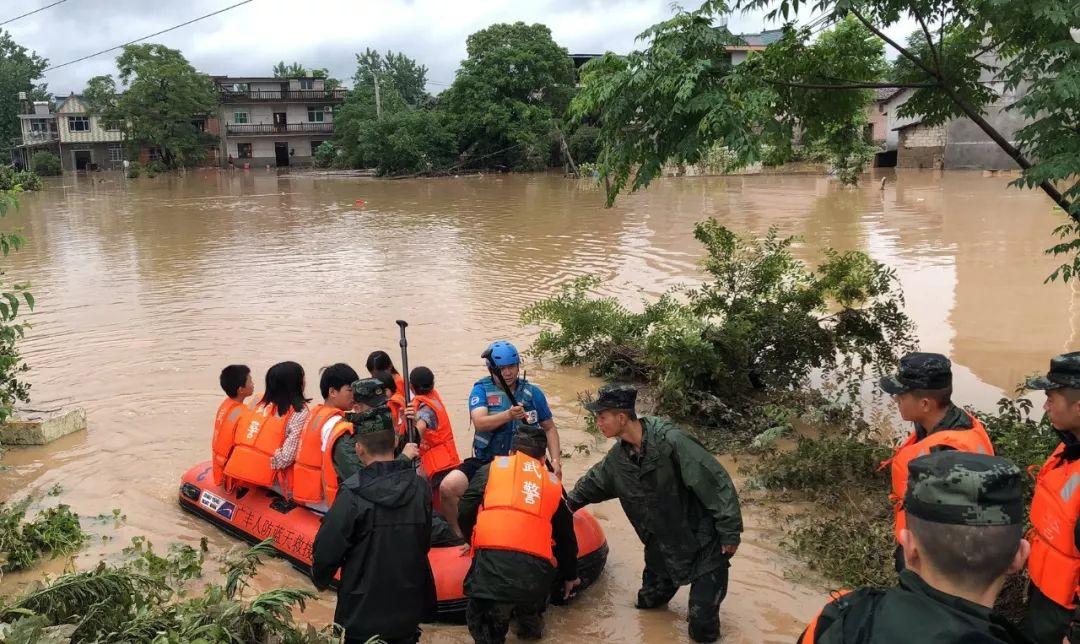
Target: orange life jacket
point(259, 433)
point(520, 498)
point(974, 440)
point(399, 384)
point(1054, 564)
point(809, 636)
point(396, 403)
point(330, 477)
point(438, 452)
point(228, 415)
point(306, 478)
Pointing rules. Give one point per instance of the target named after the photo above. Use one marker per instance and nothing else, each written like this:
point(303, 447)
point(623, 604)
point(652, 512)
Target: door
point(281, 151)
point(82, 159)
point(279, 121)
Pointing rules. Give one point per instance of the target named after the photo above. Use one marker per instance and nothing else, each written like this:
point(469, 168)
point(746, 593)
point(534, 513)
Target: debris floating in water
point(360, 202)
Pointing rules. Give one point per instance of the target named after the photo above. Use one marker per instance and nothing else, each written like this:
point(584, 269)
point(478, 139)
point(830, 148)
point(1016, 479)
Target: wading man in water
point(1054, 566)
point(962, 539)
point(922, 390)
point(679, 499)
point(495, 419)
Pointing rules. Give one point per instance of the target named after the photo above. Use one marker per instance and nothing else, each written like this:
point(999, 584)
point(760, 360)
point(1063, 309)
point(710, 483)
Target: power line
point(30, 13)
point(158, 33)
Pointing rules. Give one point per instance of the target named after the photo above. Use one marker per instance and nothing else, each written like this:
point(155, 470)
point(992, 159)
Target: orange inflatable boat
point(256, 514)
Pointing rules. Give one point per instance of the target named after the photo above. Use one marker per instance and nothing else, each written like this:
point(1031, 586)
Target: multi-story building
point(275, 121)
point(39, 131)
point(85, 142)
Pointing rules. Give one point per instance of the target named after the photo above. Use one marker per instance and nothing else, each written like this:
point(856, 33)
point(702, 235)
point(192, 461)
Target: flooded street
point(146, 288)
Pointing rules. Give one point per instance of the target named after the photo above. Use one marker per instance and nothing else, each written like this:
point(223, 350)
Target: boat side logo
point(216, 504)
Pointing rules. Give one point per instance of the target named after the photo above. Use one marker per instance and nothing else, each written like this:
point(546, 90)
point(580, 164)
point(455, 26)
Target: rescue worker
point(1054, 566)
point(963, 537)
point(922, 390)
point(373, 393)
point(268, 436)
point(679, 499)
point(495, 420)
point(378, 533)
point(237, 384)
point(327, 453)
point(438, 453)
point(512, 513)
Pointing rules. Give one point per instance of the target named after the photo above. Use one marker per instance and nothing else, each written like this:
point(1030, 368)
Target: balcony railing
point(31, 138)
point(284, 96)
point(258, 129)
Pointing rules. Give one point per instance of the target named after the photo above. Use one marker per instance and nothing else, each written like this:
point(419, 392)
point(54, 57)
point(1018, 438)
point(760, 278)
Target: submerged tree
point(162, 100)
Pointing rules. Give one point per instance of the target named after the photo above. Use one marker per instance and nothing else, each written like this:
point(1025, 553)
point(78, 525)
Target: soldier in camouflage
point(679, 499)
point(965, 516)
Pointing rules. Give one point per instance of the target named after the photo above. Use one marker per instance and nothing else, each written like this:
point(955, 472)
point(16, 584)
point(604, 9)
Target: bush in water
point(45, 164)
point(756, 328)
point(134, 170)
point(53, 532)
point(12, 389)
point(325, 154)
point(143, 600)
point(12, 179)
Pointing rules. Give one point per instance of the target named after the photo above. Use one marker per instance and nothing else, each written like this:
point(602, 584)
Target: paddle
point(412, 435)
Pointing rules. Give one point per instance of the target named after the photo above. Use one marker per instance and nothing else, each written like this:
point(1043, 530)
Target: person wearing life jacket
point(922, 390)
point(438, 453)
point(522, 534)
point(327, 453)
point(395, 402)
point(236, 382)
point(268, 436)
point(495, 420)
point(1054, 566)
point(962, 540)
point(379, 361)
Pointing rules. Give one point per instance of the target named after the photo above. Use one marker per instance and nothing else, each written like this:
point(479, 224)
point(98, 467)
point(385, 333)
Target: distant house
point(751, 42)
point(38, 128)
point(85, 142)
point(275, 121)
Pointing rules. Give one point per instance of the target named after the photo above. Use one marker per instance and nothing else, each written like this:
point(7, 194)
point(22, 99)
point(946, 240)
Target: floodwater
point(145, 289)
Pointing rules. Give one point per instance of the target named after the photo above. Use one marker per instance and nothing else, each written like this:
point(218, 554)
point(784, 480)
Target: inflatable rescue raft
point(254, 514)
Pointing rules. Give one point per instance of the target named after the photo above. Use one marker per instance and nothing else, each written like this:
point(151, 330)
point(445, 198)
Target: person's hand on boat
point(411, 451)
point(568, 588)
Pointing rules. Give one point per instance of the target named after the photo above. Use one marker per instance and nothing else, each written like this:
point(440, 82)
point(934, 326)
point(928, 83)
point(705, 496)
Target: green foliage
point(820, 464)
point(19, 69)
point(53, 532)
point(162, 97)
point(584, 144)
point(12, 389)
point(45, 164)
point(12, 179)
point(397, 73)
point(134, 170)
point(853, 546)
point(515, 81)
point(759, 325)
point(295, 70)
point(1020, 438)
point(325, 155)
point(137, 602)
point(155, 167)
point(408, 142)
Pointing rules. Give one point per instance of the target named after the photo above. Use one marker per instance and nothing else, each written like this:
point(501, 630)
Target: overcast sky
point(248, 40)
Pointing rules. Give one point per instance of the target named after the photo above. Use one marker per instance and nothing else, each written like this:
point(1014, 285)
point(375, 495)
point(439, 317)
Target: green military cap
point(371, 421)
point(370, 391)
point(919, 371)
point(1064, 373)
point(616, 396)
point(963, 488)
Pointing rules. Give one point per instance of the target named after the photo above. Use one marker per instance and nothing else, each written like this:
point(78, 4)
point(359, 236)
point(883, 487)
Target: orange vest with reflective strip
point(396, 404)
point(259, 433)
point(520, 498)
point(330, 477)
point(228, 415)
point(306, 480)
point(974, 440)
point(1054, 564)
point(809, 636)
point(437, 449)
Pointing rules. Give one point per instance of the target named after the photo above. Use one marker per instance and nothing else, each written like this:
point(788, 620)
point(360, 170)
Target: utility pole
point(378, 101)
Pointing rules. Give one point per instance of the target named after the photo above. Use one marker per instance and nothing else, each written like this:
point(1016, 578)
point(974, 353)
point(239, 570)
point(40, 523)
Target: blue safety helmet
point(503, 354)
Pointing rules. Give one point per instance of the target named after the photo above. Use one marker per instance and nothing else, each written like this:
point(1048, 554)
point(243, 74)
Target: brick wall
point(921, 147)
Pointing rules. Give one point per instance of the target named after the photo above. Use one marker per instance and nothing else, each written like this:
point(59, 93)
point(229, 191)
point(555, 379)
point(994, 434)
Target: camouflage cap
point(919, 371)
point(371, 421)
point(963, 488)
point(616, 396)
point(370, 391)
point(1064, 373)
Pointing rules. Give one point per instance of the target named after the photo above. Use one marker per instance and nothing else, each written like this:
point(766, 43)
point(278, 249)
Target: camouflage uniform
point(1046, 620)
point(682, 505)
point(951, 487)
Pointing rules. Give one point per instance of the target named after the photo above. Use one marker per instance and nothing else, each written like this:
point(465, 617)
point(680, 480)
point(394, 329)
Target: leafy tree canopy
point(19, 69)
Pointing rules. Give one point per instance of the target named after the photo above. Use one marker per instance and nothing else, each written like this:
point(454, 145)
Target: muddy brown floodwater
point(146, 288)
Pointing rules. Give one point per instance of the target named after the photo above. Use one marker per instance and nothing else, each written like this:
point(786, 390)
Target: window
point(153, 154)
point(315, 146)
point(78, 124)
point(199, 124)
point(243, 150)
point(116, 153)
point(307, 83)
point(240, 116)
point(39, 125)
point(315, 114)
